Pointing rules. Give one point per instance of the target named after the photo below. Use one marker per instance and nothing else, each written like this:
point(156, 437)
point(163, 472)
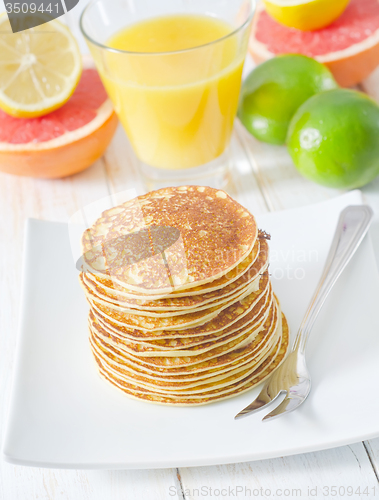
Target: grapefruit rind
point(104, 112)
point(60, 161)
point(67, 154)
point(349, 66)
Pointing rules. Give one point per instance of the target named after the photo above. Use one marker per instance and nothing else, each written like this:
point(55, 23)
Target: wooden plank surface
point(372, 449)
point(283, 187)
point(310, 475)
point(56, 200)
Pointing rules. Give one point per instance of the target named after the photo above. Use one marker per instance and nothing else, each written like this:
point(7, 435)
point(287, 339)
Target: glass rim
point(252, 4)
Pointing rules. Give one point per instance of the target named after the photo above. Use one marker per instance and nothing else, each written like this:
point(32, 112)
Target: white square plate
point(63, 415)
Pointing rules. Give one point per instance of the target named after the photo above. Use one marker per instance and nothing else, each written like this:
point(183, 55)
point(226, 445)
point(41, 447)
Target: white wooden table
point(266, 179)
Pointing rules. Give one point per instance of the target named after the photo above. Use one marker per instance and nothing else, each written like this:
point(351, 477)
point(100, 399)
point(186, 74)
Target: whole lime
point(274, 90)
point(334, 139)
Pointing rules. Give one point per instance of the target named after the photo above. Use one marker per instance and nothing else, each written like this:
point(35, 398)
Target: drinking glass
point(177, 107)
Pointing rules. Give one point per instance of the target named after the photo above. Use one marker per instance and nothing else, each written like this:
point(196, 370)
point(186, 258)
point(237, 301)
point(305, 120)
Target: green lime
point(334, 139)
point(274, 90)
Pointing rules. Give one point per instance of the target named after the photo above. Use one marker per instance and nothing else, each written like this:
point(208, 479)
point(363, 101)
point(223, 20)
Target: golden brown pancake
point(219, 356)
point(135, 243)
point(274, 360)
point(195, 373)
point(260, 248)
point(257, 311)
point(208, 344)
point(182, 311)
point(233, 317)
point(107, 295)
point(160, 311)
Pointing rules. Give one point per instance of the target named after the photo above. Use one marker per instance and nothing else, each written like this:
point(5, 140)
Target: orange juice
point(177, 105)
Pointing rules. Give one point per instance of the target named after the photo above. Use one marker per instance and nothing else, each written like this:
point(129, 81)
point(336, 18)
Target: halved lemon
point(39, 68)
point(305, 15)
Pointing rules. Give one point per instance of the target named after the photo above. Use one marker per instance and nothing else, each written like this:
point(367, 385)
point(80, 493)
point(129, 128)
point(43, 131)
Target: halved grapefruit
point(349, 46)
point(64, 141)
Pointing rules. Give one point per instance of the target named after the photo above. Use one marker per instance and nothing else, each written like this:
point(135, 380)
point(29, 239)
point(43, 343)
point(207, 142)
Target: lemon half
point(39, 68)
point(305, 15)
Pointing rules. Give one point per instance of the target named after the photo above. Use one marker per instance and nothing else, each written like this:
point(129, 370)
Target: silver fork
point(292, 377)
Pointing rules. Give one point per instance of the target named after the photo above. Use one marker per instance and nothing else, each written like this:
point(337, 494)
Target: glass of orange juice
point(173, 71)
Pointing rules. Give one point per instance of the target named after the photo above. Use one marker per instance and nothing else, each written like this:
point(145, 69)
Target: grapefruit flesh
point(64, 141)
point(349, 46)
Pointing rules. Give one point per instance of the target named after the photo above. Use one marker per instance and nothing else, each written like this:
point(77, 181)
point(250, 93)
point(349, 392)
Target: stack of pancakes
point(181, 306)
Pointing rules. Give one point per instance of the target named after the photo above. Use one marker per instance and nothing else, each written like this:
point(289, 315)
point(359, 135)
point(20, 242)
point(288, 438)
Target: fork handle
point(352, 226)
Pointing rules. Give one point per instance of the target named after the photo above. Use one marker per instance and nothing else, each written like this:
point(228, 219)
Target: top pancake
point(214, 286)
point(173, 302)
point(173, 238)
